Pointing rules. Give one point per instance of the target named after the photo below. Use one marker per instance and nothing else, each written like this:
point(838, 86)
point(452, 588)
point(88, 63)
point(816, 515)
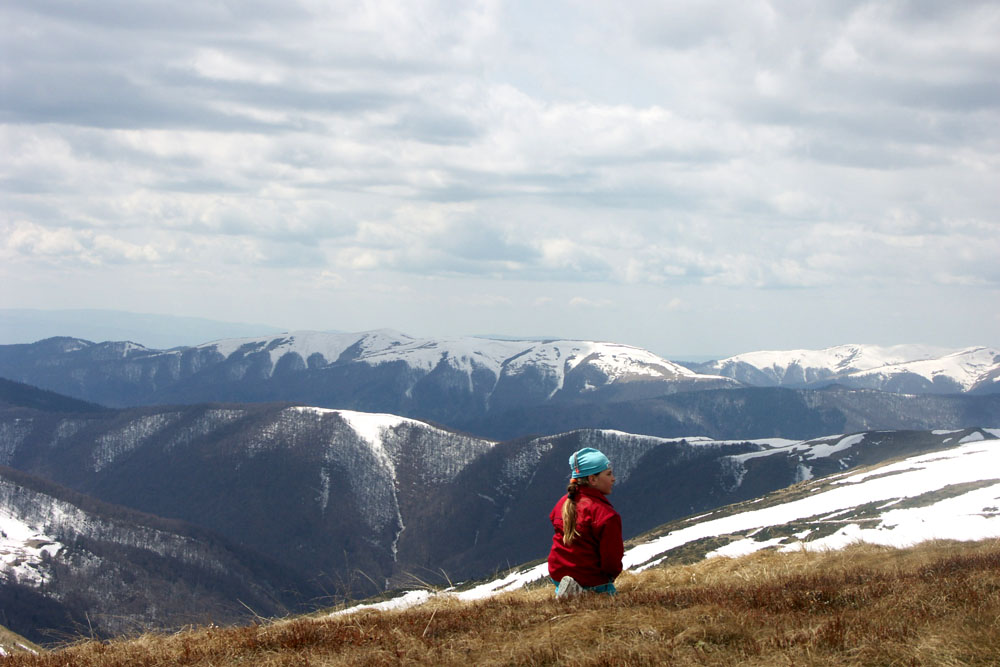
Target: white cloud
point(675, 304)
point(28, 239)
point(586, 302)
point(27, 242)
point(212, 63)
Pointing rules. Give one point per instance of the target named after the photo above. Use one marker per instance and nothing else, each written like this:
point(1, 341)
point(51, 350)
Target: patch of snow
point(511, 582)
point(22, 549)
point(769, 442)
point(823, 450)
point(781, 449)
point(808, 449)
point(743, 458)
point(743, 547)
point(408, 599)
point(127, 347)
point(370, 425)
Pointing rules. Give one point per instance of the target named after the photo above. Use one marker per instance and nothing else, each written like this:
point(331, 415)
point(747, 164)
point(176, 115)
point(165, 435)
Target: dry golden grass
point(938, 604)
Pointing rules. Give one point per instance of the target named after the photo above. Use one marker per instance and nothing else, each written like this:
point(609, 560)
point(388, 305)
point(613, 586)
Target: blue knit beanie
point(588, 461)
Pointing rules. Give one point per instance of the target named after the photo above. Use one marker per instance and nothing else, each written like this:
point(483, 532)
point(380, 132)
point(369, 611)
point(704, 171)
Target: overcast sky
point(696, 178)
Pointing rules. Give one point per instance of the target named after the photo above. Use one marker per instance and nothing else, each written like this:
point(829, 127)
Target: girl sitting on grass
point(587, 546)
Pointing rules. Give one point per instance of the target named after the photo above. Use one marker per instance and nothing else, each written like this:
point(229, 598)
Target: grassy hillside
point(936, 604)
point(11, 642)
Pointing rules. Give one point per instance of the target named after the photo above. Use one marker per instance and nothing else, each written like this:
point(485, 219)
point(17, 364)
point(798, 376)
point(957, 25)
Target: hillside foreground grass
point(934, 604)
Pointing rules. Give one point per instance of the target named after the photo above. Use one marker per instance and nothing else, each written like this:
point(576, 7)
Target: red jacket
point(595, 556)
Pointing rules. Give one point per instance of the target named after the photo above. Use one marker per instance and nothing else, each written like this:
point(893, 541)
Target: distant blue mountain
point(25, 325)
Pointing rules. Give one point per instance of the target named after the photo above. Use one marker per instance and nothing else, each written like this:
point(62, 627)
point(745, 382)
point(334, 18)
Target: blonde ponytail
point(569, 511)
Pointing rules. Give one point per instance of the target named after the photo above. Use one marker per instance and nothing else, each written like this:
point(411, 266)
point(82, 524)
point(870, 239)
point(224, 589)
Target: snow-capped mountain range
point(377, 371)
point(502, 389)
point(553, 359)
point(900, 368)
point(478, 384)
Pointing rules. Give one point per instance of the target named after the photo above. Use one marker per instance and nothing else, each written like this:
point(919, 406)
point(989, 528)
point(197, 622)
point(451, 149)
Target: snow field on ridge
point(966, 367)
point(850, 357)
point(926, 473)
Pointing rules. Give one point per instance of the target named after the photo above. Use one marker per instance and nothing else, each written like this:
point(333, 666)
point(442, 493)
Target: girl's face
point(602, 481)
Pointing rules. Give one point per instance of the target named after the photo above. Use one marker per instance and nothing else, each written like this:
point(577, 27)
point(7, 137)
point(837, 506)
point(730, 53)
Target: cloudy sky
point(695, 177)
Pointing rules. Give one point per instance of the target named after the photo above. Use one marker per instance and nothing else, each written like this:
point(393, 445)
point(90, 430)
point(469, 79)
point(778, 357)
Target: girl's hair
point(569, 510)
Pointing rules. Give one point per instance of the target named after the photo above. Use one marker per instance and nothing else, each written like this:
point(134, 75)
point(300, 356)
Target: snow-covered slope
point(327, 346)
point(906, 368)
point(67, 559)
point(951, 494)
point(839, 359)
point(962, 370)
point(24, 546)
